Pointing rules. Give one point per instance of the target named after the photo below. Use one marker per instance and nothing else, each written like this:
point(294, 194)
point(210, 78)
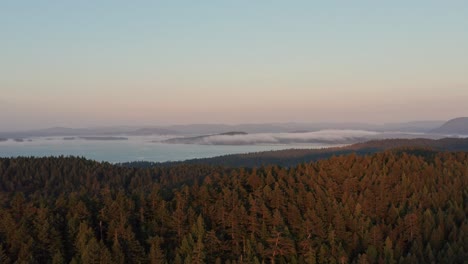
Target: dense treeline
point(390, 207)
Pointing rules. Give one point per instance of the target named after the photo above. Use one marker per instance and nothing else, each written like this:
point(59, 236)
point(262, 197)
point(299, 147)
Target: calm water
point(135, 148)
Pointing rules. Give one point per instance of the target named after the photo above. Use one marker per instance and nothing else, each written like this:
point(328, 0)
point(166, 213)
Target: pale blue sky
point(86, 63)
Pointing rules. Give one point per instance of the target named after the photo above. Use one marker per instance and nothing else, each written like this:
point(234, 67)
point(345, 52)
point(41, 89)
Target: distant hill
point(233, 133)
point(152, 131)
point(458, 126)
point(201, 139)
point(415, 126)
point(292, 157)
point(104, 138)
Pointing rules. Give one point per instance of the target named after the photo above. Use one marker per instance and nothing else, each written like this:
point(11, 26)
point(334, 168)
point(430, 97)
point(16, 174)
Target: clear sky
point(88, 63)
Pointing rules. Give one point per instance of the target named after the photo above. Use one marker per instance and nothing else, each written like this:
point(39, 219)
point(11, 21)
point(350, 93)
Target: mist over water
point(323, 136)
point(133, 149)
point(156, 148)
point(329, 136)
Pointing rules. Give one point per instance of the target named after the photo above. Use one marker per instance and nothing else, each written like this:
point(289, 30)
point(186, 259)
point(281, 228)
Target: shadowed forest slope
point(293, 157)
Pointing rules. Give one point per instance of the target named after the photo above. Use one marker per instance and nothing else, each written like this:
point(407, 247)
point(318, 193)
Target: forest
point(396, 206)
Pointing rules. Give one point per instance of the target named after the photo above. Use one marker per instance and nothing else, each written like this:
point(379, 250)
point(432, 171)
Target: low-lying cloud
point(323, 136)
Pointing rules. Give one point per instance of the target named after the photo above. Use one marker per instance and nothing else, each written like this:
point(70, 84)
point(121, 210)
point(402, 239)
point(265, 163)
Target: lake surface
point(133, 149)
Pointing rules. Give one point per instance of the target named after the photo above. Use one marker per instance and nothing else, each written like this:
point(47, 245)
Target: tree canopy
point(389, 207)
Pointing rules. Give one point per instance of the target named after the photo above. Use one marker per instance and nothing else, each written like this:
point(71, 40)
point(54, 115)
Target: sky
point(99, 63)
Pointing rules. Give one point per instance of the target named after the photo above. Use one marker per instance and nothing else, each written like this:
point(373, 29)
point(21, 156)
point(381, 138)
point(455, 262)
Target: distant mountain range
point(203, 129)
point(84, 132)
point(456, 126)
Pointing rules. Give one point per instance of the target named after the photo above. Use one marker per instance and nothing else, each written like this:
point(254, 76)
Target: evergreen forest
point(396, 206)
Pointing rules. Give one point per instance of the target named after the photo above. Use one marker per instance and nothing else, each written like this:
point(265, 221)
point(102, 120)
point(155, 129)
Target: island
point(201, 139)
point(104, 138)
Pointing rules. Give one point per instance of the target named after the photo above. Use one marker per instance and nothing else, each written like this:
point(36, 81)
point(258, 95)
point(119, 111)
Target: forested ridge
point(293, 157)
point(398, 206)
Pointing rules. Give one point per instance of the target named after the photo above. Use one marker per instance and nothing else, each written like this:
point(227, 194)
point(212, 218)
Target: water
point(133, 149)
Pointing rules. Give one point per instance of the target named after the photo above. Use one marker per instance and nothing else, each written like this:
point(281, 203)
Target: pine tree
point(4, 256)
point(198, 233)
point(388, 252)
point(118, 256)
point(156, 254)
